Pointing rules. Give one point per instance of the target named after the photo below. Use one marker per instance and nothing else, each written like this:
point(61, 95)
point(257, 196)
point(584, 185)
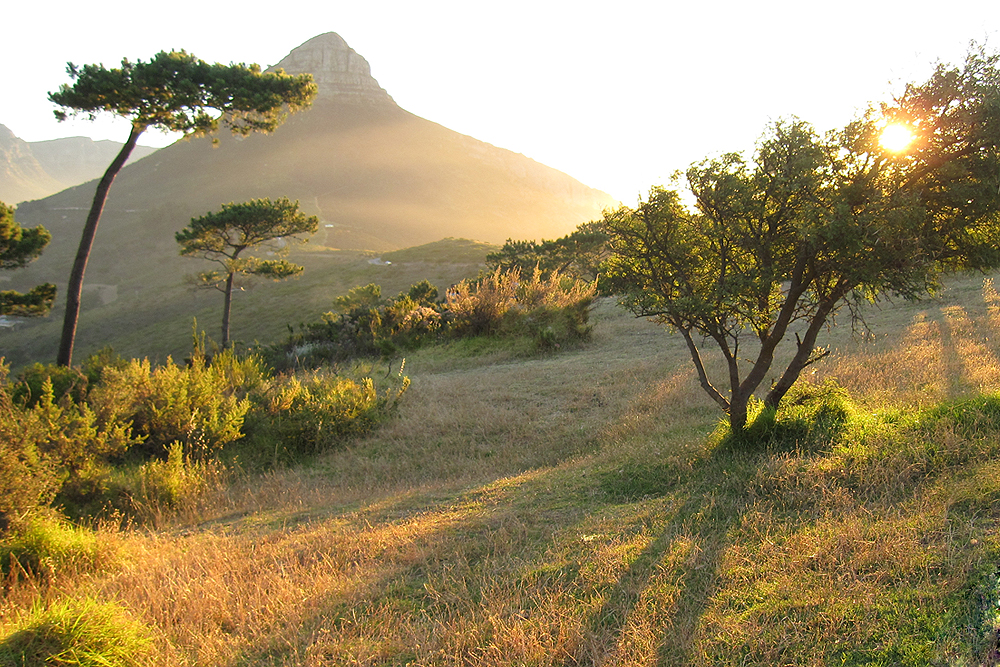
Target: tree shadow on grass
point(685, 553)
point(712, 500)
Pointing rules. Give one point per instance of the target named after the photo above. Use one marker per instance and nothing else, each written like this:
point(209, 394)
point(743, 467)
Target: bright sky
point(617, 94)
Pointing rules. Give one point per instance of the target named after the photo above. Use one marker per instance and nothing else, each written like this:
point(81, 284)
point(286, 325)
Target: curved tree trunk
point(75, 286)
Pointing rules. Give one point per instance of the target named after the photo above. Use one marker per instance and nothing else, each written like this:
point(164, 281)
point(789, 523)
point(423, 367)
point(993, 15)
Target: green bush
point(47, 445)
point(82, 633)
point(65, 382)
point(548, 309)
point(28, 479)
point(159, 489)
point(304, 414)
point(201, 405)
point(477, 308)
point(552, 309)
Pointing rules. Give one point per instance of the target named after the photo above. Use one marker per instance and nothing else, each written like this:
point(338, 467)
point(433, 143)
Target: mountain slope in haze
point(378, 177)
point(36, 169)
point(22, 177)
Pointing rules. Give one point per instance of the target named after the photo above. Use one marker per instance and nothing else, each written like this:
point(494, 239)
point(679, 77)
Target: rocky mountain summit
point(339, 72)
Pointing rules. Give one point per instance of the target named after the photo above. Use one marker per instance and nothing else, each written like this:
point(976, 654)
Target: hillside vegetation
point(583, 507)
point(135, 324)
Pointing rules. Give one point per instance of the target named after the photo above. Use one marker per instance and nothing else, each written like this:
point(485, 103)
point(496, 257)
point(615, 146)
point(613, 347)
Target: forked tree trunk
point(75, 287)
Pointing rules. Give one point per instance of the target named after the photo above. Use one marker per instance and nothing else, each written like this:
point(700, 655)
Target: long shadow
point(714, 504)
point(710, 505)
point(706, 518)
point(954, 366)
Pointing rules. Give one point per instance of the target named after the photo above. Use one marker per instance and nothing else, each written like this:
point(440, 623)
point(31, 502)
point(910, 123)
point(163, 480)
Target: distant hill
point(36, 169)
point(379, 178)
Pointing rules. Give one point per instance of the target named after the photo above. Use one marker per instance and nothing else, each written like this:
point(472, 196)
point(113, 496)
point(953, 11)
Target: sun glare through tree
point(896, 137)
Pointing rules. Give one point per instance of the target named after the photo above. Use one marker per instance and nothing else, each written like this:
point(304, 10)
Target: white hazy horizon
point(617, 97)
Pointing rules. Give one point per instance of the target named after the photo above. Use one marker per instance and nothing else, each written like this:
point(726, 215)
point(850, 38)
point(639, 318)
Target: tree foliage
point(577, 255)
point(19, 247)
point(222, 237)
point(178, 92)
point(776, 245)
point(174, 91)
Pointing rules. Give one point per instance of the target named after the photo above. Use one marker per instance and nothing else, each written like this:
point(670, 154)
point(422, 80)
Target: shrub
point(83, 633)
point(28, 479)
point(159, 489)
point(44, 446)
point(302, 414)
point(201, 405)
point(65, 382)
point(553, 310)
point(74, 434)
point(479, 307)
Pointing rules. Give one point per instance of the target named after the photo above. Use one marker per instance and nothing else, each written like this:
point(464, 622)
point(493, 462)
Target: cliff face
point(339, 72)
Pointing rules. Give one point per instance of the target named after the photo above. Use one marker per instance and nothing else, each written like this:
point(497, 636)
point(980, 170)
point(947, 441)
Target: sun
point(896, 138)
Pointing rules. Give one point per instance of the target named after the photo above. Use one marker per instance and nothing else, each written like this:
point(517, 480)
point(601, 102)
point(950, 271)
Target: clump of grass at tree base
point(550, 310)
point(821, 452)
point(45, 545)
point(82, 633)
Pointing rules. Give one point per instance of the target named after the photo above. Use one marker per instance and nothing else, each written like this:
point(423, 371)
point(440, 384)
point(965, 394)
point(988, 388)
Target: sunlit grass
point(576, 509)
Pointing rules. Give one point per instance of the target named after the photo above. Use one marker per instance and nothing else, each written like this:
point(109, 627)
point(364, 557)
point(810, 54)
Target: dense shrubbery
point(550, 308)
point(138, 439)
point(296, 415)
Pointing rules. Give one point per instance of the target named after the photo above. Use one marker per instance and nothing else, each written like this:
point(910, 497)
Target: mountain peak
point(339, 72)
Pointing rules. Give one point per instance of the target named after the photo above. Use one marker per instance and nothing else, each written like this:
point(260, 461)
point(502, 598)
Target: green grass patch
point(45, 546)
point(81, 633)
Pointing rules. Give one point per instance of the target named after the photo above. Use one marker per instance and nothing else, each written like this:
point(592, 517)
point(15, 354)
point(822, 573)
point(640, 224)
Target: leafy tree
point(778, 245)
point(174, 91)
point(578, 254)
point(18, 247)
point(223, 236)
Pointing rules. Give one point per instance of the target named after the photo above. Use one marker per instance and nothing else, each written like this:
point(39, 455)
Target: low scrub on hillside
point(550, 310)
point(140, 439)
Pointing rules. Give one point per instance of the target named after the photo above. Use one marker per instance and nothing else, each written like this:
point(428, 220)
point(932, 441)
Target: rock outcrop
point(339, 72)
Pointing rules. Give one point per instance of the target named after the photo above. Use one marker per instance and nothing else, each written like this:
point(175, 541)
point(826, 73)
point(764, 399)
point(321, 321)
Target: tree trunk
point(803, 354)
point(227, 307)
point(738, 412)
point(75, 286)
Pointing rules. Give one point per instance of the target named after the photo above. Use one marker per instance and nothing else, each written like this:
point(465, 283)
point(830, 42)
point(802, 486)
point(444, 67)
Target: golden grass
point(572, 510)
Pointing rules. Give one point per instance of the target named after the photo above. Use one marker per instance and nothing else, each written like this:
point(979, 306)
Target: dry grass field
point(576, 509)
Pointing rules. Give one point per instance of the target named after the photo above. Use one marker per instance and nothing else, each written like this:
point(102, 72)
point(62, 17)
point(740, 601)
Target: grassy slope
point(137, 327)
point(572, 510)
